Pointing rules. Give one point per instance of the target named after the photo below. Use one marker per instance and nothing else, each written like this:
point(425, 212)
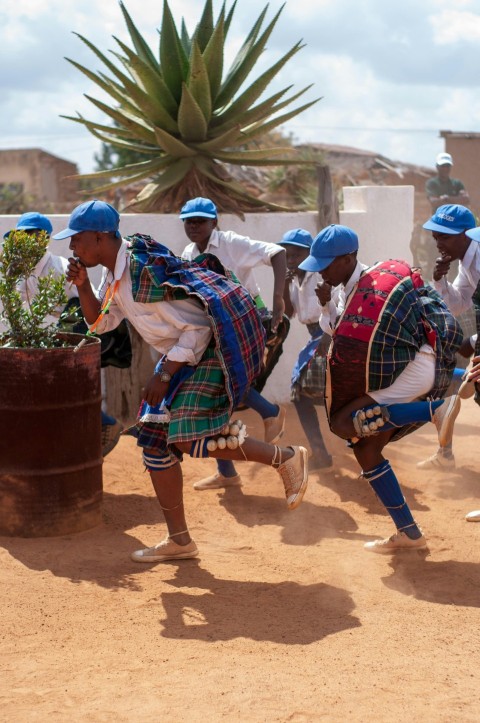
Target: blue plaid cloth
point(200, 400)
point(239, 336)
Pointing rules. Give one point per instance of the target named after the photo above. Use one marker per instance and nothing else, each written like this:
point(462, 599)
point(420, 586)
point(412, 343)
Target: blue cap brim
point(473, 233)
point(293, 243)
point(313, 264)
point(32, 228)
point(196, 214)
point(66, 233)
point(431, 226)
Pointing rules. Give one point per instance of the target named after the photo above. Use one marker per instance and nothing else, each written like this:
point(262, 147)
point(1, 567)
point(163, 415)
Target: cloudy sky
point(392, 73)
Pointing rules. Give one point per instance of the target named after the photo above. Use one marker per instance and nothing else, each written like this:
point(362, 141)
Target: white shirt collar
point(120, 264)
point(357, 272)
point(213, 240)
point(470, 254)
point(121, 261)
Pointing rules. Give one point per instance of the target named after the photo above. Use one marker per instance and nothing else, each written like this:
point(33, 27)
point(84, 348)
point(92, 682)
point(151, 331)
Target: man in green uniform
point(442, 189)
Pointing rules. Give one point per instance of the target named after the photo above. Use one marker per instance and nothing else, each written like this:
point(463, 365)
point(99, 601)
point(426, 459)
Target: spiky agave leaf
point(190, 121)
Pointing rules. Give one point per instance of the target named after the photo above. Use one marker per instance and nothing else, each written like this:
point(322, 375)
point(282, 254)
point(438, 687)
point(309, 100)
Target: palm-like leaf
point(190, 120)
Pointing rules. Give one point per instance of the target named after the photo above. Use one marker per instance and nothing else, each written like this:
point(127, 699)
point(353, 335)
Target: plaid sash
point(159, 275)
point(308, 375)
point(389, 315)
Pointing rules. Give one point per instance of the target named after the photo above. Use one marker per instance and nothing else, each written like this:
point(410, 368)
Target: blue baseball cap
point(473, 233)
point(451, 219)
point(92, 216)
point(32, 221)
point(332, 241)
point(199, 207)
point(297, 237)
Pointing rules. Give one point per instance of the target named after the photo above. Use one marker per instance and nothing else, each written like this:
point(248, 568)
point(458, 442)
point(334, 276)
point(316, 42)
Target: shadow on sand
point(307, 525)
point(284, 612)
point(100, 555)
point(445, 583)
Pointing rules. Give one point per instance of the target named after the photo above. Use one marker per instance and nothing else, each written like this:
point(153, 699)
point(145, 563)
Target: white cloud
point(454, 26)
point(392, 73)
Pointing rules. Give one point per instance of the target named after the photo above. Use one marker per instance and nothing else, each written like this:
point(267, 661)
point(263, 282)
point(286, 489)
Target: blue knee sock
point(261, 405)
point(458, 373)
point(384, 483)
point(381, 417)
point(408, 412)
point(226, 467)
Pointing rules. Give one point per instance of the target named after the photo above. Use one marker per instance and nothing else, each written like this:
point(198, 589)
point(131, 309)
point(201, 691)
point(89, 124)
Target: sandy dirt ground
point(283, 617)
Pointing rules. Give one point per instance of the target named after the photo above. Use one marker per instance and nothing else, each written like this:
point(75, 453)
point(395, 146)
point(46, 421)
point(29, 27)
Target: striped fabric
point(389, 315)
point(201, 399)
point(198, 408)
point(239, 336)
point(308, 375)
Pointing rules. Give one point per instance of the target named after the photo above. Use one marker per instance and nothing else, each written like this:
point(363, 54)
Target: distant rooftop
point(37, 151)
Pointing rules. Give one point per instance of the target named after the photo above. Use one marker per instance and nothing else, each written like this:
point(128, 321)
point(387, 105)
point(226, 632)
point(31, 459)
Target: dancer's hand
point(324, 293)
point(155, 390)
point(474, 373)
point(76, 272)
point(277, 311)
point(442, 267)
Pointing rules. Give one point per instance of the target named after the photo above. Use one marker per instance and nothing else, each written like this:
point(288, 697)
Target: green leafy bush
point(26, 320)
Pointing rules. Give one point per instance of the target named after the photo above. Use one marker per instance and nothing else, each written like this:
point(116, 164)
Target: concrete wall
point(382, 216)
point(168, 229)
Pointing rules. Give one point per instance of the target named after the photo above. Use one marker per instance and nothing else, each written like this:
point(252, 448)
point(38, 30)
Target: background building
point(37, 179)
point(465, 151)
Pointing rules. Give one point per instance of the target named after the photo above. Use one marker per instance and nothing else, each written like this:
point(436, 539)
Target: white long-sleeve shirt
point(304, 299)
point(329, 312)
point(179, 329)
point(458, 294)
point(240, 254)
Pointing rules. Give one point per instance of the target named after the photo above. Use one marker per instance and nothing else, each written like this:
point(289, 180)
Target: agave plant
point(189, 118)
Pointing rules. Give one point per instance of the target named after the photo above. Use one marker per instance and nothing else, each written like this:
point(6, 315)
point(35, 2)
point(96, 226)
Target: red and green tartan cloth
point(388, 317)
point(201, 399)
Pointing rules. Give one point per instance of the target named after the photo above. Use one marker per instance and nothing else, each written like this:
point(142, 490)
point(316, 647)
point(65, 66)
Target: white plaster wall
point(381, 215)
point(168, 229)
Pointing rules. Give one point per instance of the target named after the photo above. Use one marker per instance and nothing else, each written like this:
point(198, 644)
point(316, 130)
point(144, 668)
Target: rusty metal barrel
point(50, 439)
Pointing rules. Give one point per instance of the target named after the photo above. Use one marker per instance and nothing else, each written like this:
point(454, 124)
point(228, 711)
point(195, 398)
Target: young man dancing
point(390, 362)
point(211, 339)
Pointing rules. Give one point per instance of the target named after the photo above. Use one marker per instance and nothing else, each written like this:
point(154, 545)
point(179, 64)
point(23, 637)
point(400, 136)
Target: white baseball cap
point(444, 159)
